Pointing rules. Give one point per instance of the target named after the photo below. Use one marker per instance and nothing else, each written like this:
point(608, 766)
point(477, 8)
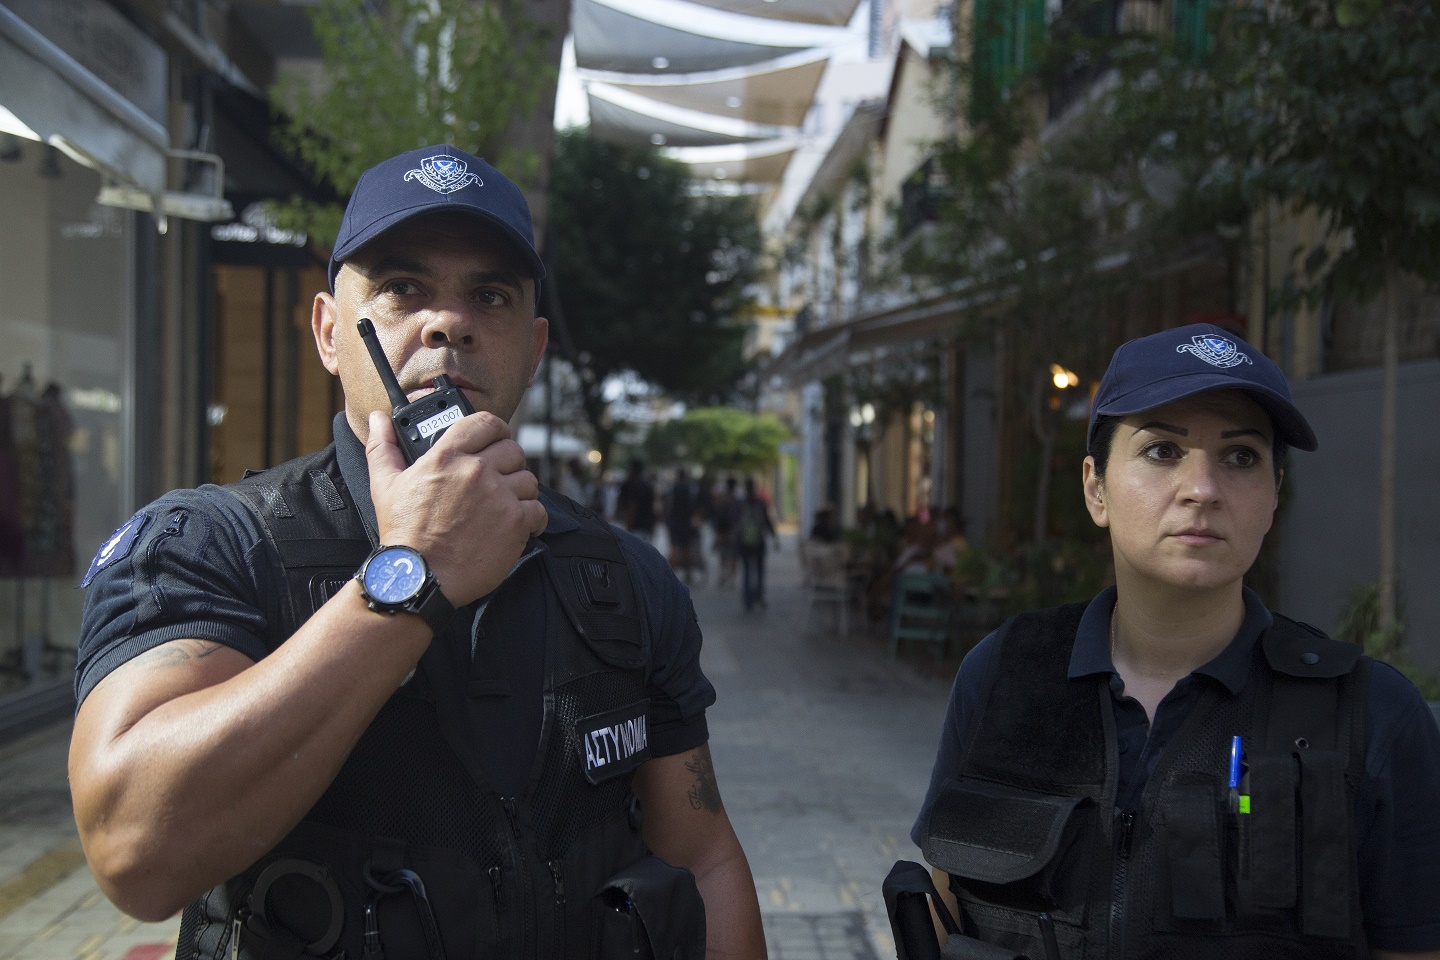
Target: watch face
point(394, 576)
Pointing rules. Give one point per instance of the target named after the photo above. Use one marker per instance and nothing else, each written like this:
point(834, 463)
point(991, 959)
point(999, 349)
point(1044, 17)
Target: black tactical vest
point(410, 853)
point(1042, 864)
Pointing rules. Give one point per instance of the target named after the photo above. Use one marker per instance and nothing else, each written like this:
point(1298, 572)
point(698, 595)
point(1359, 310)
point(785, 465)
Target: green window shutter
point(989, 65)
point(1007, 39)
point(1030, 27)
point(1192, 32)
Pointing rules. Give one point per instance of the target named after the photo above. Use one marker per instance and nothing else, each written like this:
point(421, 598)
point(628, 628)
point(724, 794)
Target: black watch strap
point(434, 609)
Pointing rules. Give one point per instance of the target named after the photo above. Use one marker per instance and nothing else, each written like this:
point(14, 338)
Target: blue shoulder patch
point(116, 547)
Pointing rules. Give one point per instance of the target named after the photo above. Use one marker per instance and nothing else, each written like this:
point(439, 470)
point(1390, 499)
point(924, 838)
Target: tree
point(646, 276)
point(408, 74)
point(1341, 99)
point(1026, 230)
point(719, 439)
point(1053, 233)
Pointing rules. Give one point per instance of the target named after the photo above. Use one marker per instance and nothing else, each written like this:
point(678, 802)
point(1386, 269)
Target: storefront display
point(65, 395)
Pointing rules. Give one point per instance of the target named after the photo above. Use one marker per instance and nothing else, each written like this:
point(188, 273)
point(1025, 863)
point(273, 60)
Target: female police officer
point(1171, 770)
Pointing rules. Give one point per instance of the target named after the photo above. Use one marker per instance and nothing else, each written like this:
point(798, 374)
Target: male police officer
point(470, 752)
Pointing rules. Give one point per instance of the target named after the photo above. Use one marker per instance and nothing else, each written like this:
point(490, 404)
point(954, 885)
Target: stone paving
point(50, 908)
point(822, 745)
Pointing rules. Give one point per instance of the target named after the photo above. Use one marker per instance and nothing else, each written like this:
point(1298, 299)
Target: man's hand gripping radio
point(420, 424)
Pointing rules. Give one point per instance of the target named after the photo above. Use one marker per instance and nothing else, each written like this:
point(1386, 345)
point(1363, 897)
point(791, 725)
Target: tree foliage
point(1181, 133)
point(1341, 101)
point(650, 278)
point(719, 439)
point(403, 75)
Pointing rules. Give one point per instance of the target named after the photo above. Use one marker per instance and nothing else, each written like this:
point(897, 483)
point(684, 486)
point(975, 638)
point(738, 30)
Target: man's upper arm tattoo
point(176, 653)
point(705, 791)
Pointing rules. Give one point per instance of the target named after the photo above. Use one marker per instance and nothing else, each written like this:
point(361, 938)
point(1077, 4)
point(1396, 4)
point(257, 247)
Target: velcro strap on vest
point(1326, 854)
point(994, 833)
point(1197, 883)
point(326, 490)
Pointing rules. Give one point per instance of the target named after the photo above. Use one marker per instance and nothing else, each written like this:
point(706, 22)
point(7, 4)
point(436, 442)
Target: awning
point(849, 146)
point(610, 37)
point(762, 162)
point(835, 12)
point(816, 355)
point(910, 324)
point(620, 116)
point(47, 95)
point(779, 92)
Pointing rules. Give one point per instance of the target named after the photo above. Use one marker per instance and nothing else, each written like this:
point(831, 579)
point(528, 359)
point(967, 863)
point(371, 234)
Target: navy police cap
point(1164, 367)
point(430, 180)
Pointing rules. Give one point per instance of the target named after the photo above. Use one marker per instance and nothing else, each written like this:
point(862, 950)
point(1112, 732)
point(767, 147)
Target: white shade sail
point(833, 12)
point(619, 116)
point(607, 38)
point(779, 92)
point(756, 162)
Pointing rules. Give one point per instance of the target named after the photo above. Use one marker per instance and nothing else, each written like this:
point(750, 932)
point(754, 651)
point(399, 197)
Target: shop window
point(65, 395)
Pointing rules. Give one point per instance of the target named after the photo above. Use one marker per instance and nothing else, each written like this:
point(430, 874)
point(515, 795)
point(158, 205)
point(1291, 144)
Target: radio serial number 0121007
point(440, 421)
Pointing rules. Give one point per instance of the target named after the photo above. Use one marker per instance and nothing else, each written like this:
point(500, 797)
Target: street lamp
point(862, 416)
point(1063, 378)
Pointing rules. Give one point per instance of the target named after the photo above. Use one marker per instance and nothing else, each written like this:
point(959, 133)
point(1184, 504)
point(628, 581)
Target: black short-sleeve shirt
point(1399, 848)
point(193, 565)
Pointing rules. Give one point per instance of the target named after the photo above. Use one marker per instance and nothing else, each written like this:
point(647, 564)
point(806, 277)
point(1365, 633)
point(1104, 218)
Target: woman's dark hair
point(1105, 429)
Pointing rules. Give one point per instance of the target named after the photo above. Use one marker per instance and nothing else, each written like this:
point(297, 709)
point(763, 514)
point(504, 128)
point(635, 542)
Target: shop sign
point(257, 225)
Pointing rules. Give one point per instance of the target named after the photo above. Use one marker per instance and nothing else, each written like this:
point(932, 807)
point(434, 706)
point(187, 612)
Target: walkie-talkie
point(417, 425)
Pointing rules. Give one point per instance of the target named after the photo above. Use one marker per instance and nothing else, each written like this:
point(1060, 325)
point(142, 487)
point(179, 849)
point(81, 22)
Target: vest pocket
point(650, 910)
point(1192, 831)
point(1017, 844)
point(995, 932)
point(1017, 866)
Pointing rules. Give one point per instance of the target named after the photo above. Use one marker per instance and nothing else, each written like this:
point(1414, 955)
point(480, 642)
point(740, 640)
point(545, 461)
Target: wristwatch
point(397, 580)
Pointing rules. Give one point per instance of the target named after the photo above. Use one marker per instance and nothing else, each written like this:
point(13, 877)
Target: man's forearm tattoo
point(705, 791)
point(177, 652)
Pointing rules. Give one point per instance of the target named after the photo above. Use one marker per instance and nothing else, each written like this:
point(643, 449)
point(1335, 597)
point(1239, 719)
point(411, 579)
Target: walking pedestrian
point(726, 513)
point(354, 707)
point(575, 483)
point(1171, 769)
point(680, 524)
point(754, 529)
point(635, 504)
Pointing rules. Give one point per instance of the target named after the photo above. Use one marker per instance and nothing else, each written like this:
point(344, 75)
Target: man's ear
point(323, 316)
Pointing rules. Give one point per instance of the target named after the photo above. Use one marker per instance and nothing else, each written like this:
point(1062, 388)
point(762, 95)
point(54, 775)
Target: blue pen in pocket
point(1239, 801)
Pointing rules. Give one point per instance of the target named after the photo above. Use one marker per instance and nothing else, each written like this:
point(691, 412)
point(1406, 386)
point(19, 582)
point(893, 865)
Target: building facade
point(143, 306)
point(906, 408)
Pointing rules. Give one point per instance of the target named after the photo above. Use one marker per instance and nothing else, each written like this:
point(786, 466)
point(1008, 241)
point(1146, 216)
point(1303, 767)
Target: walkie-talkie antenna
point(382, 365)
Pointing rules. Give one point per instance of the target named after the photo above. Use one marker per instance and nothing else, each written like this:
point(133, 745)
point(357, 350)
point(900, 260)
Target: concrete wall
point(1328, 531)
